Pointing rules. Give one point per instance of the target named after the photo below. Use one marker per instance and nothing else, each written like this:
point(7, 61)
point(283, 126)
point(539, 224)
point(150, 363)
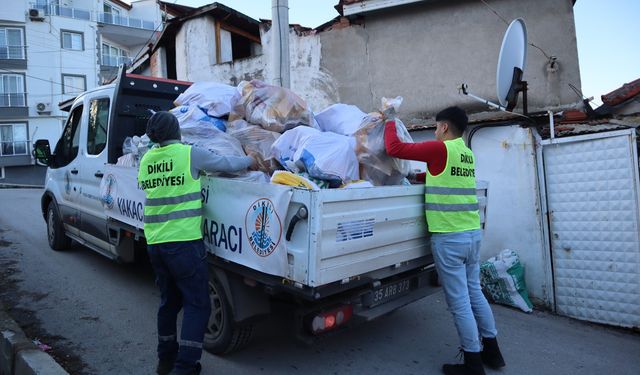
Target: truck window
point(67, 147)
point(98, 120)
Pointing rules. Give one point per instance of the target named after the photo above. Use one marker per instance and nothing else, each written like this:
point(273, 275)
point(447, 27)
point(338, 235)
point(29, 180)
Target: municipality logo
point(264, 229)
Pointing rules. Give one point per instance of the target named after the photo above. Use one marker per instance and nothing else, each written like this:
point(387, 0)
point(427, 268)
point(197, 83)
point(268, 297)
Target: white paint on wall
point(226, 53)
point(316, 86)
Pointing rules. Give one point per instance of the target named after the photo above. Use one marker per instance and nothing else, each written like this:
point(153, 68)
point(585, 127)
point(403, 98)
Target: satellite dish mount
point(511, 64)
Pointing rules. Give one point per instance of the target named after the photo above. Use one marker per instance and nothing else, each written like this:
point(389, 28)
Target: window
point(112, 14)
point(72, 40)
point(113, 56)
point(12, 90)
point(11, 46)
point(98, 119)
point(13, 139)
point(73, 84)
point(67, 147)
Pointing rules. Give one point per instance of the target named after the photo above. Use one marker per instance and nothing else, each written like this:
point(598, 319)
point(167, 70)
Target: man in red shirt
point(454, 224)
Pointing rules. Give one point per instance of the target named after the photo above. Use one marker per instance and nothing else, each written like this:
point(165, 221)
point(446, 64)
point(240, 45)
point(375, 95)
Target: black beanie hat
point(163, 126)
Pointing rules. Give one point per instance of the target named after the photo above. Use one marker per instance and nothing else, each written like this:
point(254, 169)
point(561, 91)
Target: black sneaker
point(164, 367)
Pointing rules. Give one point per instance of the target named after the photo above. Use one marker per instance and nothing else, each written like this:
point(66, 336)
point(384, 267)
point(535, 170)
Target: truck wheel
point(55, 230)
point(223, 335)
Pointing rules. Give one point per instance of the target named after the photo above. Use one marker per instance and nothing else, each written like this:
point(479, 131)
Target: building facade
point(52, 50)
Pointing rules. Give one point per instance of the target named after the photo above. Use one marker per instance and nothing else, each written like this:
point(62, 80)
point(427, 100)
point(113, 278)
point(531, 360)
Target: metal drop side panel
point(362, 230)
point(592, 199)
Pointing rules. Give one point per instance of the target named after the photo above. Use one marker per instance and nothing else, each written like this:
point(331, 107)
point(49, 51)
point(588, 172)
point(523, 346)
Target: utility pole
point(280, 42)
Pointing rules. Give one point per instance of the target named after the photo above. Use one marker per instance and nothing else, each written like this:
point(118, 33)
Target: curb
point(19, 355)
point(19, 186)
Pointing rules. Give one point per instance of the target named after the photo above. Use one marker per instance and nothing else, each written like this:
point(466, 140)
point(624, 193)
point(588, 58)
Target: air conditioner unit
point(43, 108)
point(36, 14)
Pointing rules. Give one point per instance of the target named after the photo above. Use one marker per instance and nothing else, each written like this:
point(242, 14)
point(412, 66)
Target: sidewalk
point(19, 355)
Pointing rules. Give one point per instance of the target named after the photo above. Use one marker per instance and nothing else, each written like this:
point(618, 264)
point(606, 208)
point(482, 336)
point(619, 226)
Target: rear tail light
point(330, 320)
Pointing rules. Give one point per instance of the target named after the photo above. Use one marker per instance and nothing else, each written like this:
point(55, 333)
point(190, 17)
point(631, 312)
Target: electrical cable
point(42, 79)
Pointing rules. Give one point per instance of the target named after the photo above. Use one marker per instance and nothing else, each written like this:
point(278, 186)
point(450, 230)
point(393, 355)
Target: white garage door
point(592, 198)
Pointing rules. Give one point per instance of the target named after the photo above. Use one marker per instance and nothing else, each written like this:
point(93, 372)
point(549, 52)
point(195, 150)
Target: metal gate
point(591, 185)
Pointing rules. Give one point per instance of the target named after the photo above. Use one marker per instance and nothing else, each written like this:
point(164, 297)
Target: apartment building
point(51, 50)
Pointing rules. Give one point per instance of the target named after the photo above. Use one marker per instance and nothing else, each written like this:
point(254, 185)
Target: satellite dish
point(511, 64)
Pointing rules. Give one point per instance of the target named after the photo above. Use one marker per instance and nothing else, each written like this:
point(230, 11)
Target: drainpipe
point(552, 129)
point(280, 42)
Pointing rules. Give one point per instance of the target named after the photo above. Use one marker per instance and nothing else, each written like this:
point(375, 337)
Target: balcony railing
point(13, 100)
point(83, 14)
point(113, 19)
point(12, 52)
point(113, 60)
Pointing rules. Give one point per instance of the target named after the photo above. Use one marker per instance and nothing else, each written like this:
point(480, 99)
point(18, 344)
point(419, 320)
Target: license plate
point(387, 292)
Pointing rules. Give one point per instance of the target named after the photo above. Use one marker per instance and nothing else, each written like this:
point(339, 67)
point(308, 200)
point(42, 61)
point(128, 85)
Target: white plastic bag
point(255, 139)
point(340, 118)
point(216, 99)
point(288, 143)
point(376, 165)
point(272, 107)
point(329, 156)
point(192, 113)
point(205, 134)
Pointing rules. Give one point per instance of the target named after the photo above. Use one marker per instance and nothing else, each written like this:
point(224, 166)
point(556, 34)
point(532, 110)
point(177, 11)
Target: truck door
point(94, 156)
point(65, 169)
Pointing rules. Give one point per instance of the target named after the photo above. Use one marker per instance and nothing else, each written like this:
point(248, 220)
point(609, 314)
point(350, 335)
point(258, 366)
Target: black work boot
point(490, 354)
point(472, 366)
point(164, 366)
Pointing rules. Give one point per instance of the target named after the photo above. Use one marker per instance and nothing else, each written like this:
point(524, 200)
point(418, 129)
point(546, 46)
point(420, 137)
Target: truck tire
point(55, 230)
point(223, 335)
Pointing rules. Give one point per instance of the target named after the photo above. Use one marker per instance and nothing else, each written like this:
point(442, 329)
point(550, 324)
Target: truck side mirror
point(42, 152)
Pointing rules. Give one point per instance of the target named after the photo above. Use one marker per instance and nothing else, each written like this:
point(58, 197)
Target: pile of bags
point(340, 146)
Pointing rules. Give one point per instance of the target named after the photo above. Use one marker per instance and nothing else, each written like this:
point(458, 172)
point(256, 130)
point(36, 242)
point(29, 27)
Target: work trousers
point(456, 256)
point(182, 276)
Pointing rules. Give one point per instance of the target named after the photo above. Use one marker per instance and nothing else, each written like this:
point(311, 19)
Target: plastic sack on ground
point(272, 107)
point(215, 98)
point(191, 113)
point(502, 278)
point(255, 139)
point(340, 118)
point(376, 165)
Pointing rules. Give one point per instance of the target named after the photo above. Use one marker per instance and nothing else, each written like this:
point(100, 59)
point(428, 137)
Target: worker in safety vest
point(169, 175)
point(453, 221)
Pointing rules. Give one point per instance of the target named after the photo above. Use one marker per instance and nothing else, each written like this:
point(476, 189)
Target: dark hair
point(455, 117)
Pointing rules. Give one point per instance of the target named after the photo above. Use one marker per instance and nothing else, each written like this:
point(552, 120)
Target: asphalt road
point(99, 318)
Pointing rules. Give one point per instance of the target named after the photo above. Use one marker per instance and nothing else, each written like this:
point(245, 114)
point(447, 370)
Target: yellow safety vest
point(451, 200)
point(173, 208)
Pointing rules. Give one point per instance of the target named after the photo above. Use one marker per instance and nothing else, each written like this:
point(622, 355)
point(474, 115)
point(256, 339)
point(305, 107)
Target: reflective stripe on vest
point(173, 207)
point(451, 200)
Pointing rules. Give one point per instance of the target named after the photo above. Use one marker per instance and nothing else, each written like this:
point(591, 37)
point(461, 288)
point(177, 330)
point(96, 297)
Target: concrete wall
point(195, 60)
point(505, 157)
point(424, 51)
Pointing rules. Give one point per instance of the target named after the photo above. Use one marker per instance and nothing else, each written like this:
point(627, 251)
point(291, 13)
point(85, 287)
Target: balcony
point(112, 19)
point(115, 61)
point(15, 153)
point(100, 17)
point(13, 57)
point(13, 105)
